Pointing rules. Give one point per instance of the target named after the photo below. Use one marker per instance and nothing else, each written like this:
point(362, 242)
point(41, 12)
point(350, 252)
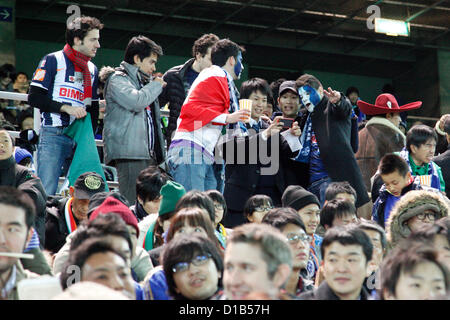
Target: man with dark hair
point(17, 214)
point(250, 160)
point(397, 180)
point(340, 190)
point(211, 104)
point(291, 225)
point(148, 187)
point(132, 124)
point(419, 152)
point(381, 134)
point(98, 261)
point(64, 88)
point(443, 160)
point(180, 78)
point(65, 215)
point(413, 272)
point(326, 139)
point(352, 94)
point(193, 267)
point(346, 252)
point(337, 212)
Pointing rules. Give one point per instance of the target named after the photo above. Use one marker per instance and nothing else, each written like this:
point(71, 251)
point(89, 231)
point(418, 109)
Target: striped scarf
point(70, 220)
point(80, 62)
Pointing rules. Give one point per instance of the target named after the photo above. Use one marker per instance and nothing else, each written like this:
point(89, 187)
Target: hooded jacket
point(410, 205)
point(125, 130)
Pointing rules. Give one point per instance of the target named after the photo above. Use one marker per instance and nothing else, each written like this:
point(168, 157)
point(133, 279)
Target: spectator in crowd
point(187, 221)
point(337, 212)
point(55, 97)
point(308, 208)
point(140, 261)
point(291, 225)
point(193, 267)
point(23, 157)
point(25, 120)
point(21, 83)
point(258, 156)
point(352, 94)
point(220, 207)
point(412, 211)
point(437, 236)
point(340, 190)
point(65, 215)
point(256, 207)
point(381, 134)
point(443, 160)
point(211, 104)
point(289, 104)
point(132, 124)
point(346, 254)
point(275, 88)
point(17, 213)
point(99, 262)
point(258, 259)
point(148, 197)
point(88, 290)
point(377, 236)
point(419, 152)
point(439, 128)
point(397, 180)
point(180, 78)
point(153, 228)
point(326, 143)
point(22, 178)
point(7, 72)
point(413, 272)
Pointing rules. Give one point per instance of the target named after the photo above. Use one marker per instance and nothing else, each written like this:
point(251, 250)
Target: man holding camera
point(257, 155)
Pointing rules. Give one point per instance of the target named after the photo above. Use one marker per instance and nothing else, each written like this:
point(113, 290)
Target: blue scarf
point(305, 140)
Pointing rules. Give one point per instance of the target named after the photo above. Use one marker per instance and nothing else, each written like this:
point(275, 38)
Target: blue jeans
point(55, 152)
point(318, 188)
point(191, 168)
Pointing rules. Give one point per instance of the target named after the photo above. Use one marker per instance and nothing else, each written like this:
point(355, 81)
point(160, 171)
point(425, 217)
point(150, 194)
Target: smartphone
point(287, 122)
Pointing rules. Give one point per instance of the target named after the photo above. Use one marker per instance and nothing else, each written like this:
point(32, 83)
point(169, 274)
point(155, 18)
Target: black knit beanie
point(298, 197)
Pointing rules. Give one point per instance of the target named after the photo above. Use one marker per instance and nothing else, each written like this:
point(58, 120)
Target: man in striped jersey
point(64, 88)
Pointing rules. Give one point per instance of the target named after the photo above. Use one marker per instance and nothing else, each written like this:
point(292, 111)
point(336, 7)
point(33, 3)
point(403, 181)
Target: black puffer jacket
point(174, 93)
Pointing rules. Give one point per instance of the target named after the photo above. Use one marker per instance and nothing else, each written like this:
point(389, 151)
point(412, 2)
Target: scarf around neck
point(80, 62)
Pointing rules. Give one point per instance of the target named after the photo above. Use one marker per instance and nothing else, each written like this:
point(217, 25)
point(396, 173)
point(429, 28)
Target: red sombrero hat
point(386, 103)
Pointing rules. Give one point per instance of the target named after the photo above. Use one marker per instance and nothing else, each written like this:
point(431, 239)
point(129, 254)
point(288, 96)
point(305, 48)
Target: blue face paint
point(238, 66)
point(309, 97)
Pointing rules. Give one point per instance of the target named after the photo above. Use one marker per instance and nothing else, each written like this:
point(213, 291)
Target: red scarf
point(80, 62)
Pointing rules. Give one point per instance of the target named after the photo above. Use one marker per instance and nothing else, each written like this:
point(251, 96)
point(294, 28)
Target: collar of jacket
point(7, 163)
point(130, 70)
point(324, 292)
point(387, 123)
point(183, 68)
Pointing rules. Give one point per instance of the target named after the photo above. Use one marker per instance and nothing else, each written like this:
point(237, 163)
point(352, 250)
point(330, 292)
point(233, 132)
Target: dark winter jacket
point(56, 229)
point(20, 177)
point(332, 126)
point(443, 161)
point(380, 203)
point(324, 292)
point(174, 93)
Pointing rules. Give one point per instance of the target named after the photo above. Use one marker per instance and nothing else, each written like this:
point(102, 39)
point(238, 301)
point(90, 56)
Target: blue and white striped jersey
point(56, 74)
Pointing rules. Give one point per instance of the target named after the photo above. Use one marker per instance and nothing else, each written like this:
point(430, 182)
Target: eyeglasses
point(294, 238)
point(197, 261)
point(430, 216)
point(263, 209)
point(218, 206)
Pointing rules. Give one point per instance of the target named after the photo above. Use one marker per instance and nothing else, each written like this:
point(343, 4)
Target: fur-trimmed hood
point(410, 205)
point(105, 73)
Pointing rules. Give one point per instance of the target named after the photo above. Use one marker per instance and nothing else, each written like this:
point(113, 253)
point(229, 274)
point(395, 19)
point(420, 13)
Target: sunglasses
point(197, 261)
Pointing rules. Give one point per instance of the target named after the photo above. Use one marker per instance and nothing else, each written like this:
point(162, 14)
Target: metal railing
point(5, 95)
